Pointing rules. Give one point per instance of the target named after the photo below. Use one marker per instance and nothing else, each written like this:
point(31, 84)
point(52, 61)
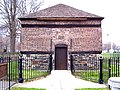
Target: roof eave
point(62, 18)
point(99, 18)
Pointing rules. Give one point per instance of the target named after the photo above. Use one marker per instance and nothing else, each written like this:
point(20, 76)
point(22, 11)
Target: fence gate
point(8, 70)
point(34, 66)
point(22, 67)
point(86, 66)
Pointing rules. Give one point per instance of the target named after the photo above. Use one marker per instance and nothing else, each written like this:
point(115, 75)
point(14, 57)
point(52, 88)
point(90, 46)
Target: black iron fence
point(111, 66)
point(35, 66)
point(87, 66)
point(94, 68)
point(26, 67)
point(114, 66)
point(22, 67)
point(8, 70)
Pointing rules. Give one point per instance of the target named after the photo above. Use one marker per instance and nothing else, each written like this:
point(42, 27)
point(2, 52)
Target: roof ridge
point(60, 10)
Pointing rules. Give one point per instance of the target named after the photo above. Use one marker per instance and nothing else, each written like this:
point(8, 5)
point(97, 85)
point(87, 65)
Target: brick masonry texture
point(83, 39)
point(92, 22)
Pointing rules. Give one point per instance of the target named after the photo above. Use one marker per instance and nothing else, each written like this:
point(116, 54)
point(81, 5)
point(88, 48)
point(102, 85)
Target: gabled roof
point(60, 10)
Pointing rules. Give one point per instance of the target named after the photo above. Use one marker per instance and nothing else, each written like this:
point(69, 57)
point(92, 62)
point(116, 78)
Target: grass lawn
point(33, 74)
point(93, 89)
point(28, 75)
point(19, 88)
point(92, 76)
point(106, 55)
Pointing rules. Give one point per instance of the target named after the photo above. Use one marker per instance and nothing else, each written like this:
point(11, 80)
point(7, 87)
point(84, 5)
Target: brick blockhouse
point(63, 25)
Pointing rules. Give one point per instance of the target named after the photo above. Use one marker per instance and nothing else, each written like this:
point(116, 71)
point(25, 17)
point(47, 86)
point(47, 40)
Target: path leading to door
point(60, 80)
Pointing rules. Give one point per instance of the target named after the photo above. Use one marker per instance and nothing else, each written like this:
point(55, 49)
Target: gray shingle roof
point(60, 10)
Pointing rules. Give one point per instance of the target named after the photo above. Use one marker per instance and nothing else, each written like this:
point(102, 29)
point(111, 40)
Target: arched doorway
point(61, 57)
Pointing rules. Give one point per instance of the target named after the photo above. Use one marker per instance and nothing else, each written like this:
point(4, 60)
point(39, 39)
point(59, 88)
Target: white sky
point(110, 9)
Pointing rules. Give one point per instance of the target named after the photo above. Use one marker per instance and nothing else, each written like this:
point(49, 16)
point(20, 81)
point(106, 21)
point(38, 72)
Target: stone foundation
point(86, 61)
point(80, 61)
point(35, 62)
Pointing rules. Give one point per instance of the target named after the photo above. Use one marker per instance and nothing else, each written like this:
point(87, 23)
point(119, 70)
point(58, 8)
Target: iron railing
point(22, 67)
point(91, 67)
point(8, 70)
point(87, 66)
point(111, 66)
point(34, 66)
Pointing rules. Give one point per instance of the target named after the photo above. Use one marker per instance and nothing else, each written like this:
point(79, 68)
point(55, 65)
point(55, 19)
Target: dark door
point(61, 57)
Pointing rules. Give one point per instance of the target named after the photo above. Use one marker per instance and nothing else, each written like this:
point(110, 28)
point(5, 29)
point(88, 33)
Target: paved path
point(4, 85)
point(60, 80)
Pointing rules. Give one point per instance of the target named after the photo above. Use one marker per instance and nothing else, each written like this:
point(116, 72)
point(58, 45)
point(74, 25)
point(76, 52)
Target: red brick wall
point(83, 38)
point(92, 22)
point(3, 70)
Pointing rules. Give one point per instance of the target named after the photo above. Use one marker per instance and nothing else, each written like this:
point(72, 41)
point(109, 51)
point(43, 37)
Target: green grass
point(106, 55)
point(93, 89)
point(29, 75)
point(93, 75)
point(13, 66)
point(87, 75)
point(19, 88)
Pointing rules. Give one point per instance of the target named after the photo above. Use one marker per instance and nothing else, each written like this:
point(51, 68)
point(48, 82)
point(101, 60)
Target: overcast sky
point(110, 9)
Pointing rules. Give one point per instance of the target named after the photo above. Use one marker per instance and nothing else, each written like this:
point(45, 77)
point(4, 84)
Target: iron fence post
point(20, 79)
point(101, 72)
point(9, 71)
point(71, 63)
point(118, 66)
point(50, 63)
point(109, 67)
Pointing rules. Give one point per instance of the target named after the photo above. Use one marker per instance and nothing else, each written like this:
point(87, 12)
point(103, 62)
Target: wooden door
point(61, 57)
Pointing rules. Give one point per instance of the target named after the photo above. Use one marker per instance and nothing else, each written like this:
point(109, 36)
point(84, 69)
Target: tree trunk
point(12, 42)
point(13, 26)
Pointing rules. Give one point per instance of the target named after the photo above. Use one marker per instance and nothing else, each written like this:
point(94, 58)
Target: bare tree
point(10, 10)
point(34, 6)
point(115, 47)
point(29, 6)
point(107, 46)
